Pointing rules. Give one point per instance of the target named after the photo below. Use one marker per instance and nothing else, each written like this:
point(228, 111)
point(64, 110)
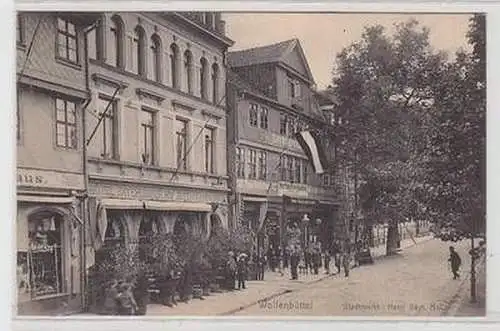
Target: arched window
point(155, 58)
point(138, 51)
point(40, 263)
point(203, 78)
point(174, 59)
point(188, 70)
point(116, 51)
point(215, 83)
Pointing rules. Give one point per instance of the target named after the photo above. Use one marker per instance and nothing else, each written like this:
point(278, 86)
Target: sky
point(322, 36)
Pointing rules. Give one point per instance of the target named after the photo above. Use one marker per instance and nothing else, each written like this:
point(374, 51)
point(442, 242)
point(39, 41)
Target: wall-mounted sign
point(49, 179)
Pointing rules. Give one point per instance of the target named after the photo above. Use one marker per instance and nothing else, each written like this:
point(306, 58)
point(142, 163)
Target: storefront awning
point(254, 199)
point(122, 204)
point(303, 201)
point(45, 199)
point(328, 202)
point(178, 206)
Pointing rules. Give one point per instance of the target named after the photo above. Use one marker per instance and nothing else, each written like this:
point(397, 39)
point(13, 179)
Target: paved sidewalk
point(380, 250)
point(226, 303)
point(462, 306)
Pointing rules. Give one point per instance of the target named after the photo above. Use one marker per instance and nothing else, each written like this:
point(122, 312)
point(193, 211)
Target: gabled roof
point(326, 98)
point(268, 54)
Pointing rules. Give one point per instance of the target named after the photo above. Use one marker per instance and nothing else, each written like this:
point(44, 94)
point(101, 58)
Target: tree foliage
point(384, 86)
point(413, 125)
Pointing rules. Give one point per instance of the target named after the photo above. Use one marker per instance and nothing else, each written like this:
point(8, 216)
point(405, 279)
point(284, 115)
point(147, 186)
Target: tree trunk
point(392, 238)
point(472, 272)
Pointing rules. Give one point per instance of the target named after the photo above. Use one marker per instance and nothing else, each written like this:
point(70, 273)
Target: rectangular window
point(291, 88)
point(240, 162)
point(291, 126)
point(252, 164)
point(262, 165)
point(66, 124)
point(209, 150)
point(289, 169)
point(181, 143)
point(298, 166)
point(67, 42)
point(326, 179)
point(254, 115)
point(264, 118)
point(148, 137)
point(296, 89)
point(305, 171)
point(283, 124)
point(283, 163)
point(19, 29)
point(107, 128)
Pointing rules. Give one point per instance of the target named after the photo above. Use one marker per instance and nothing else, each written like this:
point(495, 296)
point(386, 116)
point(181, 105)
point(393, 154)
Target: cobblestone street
point(417, 282)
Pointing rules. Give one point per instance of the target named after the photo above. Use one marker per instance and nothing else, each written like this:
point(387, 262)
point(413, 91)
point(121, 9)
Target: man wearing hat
point(230, 271)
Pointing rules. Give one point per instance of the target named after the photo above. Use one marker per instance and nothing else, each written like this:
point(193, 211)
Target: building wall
point(263, 76)
point(43, 63)
point(168, 104)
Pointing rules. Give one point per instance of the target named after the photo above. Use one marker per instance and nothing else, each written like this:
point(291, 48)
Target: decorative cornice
point(96, 77)
point(211, 114)
point(145, 93)
point(180, 104)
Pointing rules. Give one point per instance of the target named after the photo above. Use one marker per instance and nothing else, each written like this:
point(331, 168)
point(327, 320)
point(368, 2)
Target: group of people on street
point(236, 271)
point(123, 297)
point(308, 260)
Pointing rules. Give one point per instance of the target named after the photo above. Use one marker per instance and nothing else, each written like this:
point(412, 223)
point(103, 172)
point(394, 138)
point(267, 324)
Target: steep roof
point(267, 54)
point(326, 98)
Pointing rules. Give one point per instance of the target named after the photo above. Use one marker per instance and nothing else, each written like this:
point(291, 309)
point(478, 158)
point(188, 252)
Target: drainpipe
point(84, 280)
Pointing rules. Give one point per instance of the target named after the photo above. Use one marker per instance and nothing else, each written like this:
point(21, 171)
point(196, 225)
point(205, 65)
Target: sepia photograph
point(265, 164)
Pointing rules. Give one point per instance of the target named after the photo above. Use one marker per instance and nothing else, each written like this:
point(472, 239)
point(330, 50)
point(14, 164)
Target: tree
point(384, 86)
point(456, 189)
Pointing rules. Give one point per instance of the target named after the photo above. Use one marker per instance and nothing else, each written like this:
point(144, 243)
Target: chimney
point(220, 24)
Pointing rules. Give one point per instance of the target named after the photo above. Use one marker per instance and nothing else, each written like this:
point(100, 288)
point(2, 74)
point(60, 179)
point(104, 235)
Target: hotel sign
point(49, 179)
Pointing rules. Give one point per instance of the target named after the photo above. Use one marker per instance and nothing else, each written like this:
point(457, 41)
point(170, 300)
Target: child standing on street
point(128, 306)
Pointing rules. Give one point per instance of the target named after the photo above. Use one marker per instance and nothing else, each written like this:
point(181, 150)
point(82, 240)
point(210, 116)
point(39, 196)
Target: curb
point(271, 296)
point(457, 300)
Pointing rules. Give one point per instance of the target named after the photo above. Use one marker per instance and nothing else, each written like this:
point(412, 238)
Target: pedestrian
point(127, 306)
point(242, 271)
point(286, 258)
point(346, 260)
point(336, 255)
point(307, 259)
point(455, 262)
point(327, 262)
point(260, 266)
point(316, 257)
point(230, 272)
point(270, 259)
point(111, 304)
point(294, 262)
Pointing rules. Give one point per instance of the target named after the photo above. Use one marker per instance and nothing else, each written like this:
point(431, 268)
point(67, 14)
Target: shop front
point(49, 244)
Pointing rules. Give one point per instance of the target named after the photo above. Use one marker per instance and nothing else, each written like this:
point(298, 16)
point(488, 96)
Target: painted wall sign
point(49, 179)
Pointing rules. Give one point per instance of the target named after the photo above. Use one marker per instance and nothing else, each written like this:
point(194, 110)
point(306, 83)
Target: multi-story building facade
point(270, 98)
point(51, 96)
point(156, 131)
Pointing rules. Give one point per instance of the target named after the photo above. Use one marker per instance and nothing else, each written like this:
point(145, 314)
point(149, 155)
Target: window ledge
point(50, 296)
point(68, 63)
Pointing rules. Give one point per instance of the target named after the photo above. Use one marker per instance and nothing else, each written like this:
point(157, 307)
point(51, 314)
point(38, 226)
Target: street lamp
point(305, 222)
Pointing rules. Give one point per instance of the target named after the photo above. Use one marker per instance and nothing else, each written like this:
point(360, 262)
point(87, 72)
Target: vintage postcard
point(174, 163)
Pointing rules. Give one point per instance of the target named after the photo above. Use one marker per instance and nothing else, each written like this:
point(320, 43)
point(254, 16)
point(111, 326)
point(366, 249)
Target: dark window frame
point(69, 142)
point(67, 37)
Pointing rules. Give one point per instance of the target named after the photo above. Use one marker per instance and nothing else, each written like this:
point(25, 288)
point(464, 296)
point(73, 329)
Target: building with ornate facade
point(270, 98)
point(156, 127)
point(51, 98)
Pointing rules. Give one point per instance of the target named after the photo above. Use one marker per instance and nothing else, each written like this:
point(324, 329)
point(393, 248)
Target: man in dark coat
point(230, 271)
point(242, 272)
point(294, 263)
point(455, 262)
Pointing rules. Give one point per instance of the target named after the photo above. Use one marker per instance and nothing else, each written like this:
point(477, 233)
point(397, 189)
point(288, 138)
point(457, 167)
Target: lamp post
point(305, 222)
